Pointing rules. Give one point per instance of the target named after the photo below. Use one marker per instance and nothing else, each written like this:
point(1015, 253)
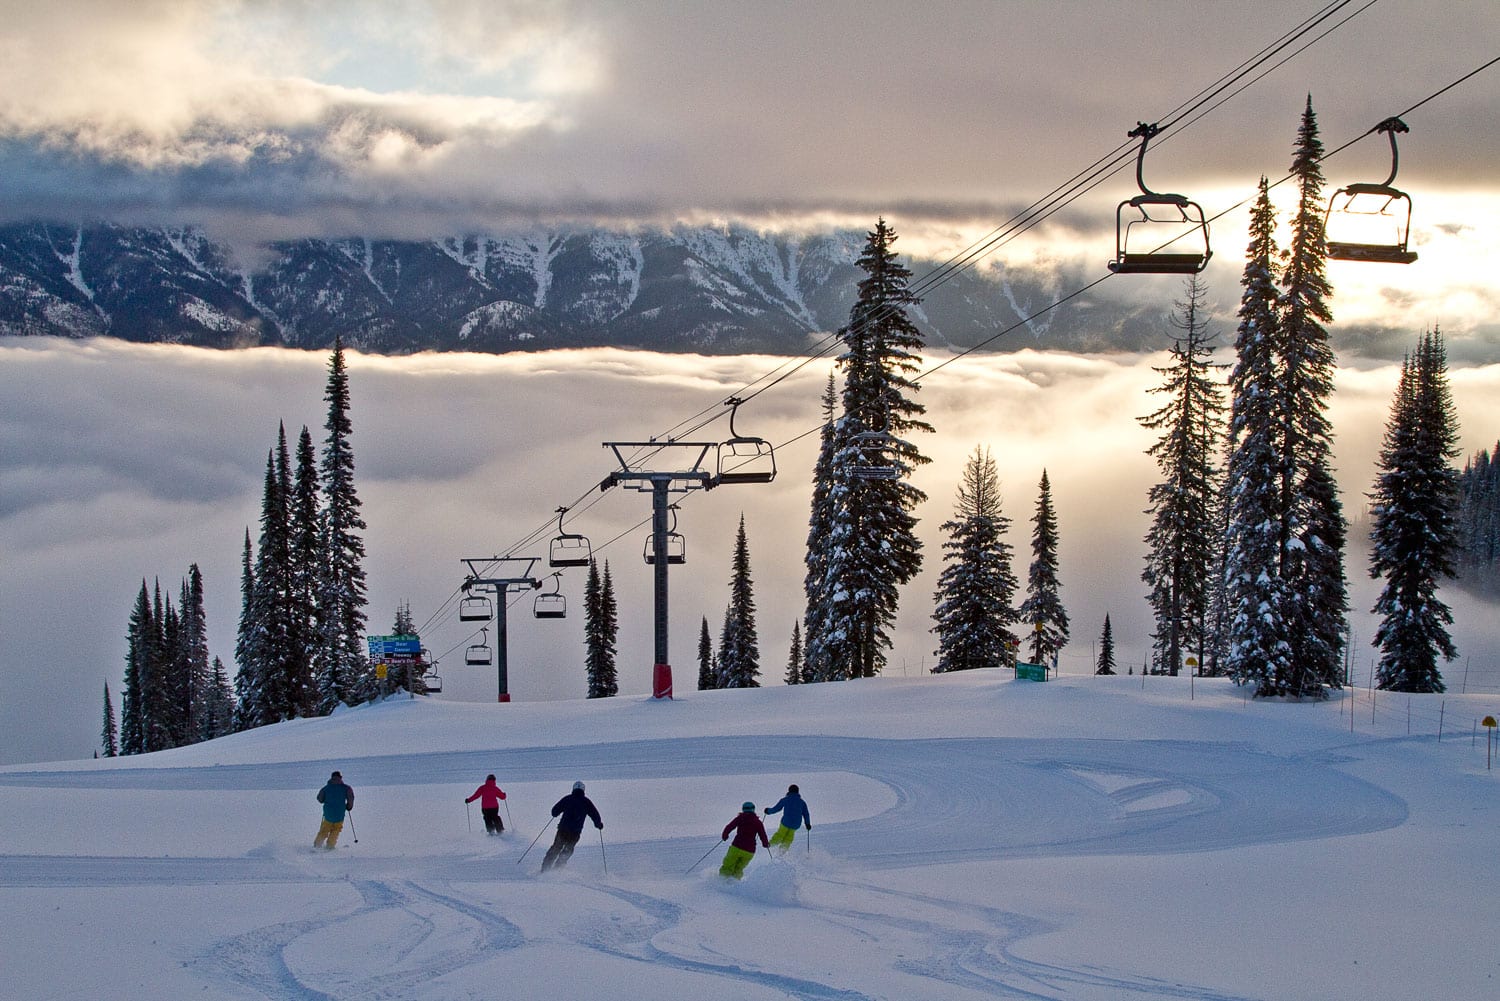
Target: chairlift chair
point(432, 683)
point(474, 609)
point(876, 456)
point(1159, 221)
point(676, 544)
point(553, 604)
point(1371, 222)
point(568, 549)
point(744, 458)
point(478, 654)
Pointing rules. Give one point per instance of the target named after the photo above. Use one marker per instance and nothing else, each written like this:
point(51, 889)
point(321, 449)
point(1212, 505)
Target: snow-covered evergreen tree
point(1043, 609)
point(707, 675)
point(137, 674)
point(1479, 512)
point(341, 664)
point(1414, 531)
point(272, 606)
point(249, 678)
point(1185, 536)
point(870, 543)
point(1256, 648)
point(818, 617)
point(793, 674)
point(193, 640)
point(155, 702)
point(739, 649)
point(218, 712)
point(109, 737)
point(305, 546)
point(1313, 532)
point(975, 596)
point(1106, 662)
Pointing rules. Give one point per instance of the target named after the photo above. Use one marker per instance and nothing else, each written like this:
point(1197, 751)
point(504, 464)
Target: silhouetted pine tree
point(739, 649)
point(976, 590)
point(1414, 532)
point(305, 545)
point(341, 663)
point(1185, 536)
point(707, 676)
point(794, 656)
point(1043, 609)
point(218, 712)
point(818, 616)
point(108, 735)
point(249, 678)
point(137, 674)
point(1479, 510)
point(599, 629)
point(1106, 662)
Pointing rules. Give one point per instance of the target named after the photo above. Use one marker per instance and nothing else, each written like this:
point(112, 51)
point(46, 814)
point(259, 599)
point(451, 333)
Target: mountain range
point(710, 289)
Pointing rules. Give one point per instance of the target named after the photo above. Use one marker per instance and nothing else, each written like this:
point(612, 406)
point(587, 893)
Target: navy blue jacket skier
point(793, 815)
point(571, 812)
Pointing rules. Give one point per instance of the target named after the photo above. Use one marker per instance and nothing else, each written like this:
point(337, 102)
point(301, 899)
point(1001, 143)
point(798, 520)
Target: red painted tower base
point(661, 682)
point(504, 697)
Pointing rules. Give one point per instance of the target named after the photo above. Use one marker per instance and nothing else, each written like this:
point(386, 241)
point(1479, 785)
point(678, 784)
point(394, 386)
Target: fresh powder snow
point(974, 836)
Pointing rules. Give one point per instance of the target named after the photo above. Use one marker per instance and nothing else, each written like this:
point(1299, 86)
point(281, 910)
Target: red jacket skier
point(489, 796)
point(747, 828)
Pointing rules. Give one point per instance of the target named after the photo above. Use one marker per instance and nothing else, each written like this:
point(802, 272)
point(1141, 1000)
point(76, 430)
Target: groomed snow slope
point(974, 837)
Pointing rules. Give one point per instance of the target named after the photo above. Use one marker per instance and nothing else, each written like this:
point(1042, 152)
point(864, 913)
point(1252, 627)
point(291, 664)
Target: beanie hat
point(792, 789)
point(578, 787)
point(748, 807)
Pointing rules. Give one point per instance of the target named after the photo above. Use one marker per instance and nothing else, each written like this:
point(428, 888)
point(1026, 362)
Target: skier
point(747, 827)
point(337, 799)
point(796, 816)
point(572, 809)
point(489, 796)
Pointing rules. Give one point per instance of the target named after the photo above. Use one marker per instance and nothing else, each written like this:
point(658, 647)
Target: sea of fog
point(125, 462)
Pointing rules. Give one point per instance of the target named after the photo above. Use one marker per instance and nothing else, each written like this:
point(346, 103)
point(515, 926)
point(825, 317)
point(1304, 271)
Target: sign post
point(1489, 732)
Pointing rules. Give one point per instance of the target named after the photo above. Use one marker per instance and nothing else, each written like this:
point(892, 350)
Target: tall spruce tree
point(1043, 611)
point(1414, 530)
point(870, 541)
point(739, 649)
point(599, 632)
point(1313, 529)
point(975, 596)
point(1256, 646)
point(109, 737)
point(218, 712)
point(818, 617)
point(194, 642)
point(249, 678)
point(272, 605)
point(155, 711)
point(305, 549)
point(793, 674)
point(1106, 662)
point(342, 667)
point(707, 676)
point(1479, 512)
point(1185, 536)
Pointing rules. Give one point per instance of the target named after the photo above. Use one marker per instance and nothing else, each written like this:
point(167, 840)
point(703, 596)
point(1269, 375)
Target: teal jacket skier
point(337, 800)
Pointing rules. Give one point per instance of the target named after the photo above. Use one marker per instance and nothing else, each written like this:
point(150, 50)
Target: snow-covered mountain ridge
point(715, 290)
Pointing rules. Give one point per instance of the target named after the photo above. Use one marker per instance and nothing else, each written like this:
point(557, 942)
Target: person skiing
point(747, 828)
point(337, 799)
point(793, 815)
point(489, 796)
point(571, 811)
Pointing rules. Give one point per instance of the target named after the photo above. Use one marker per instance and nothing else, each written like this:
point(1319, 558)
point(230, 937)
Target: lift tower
point(502, 584)
point(641, 471)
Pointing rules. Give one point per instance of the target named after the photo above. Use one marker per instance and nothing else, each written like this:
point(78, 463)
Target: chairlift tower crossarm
point(502, 585)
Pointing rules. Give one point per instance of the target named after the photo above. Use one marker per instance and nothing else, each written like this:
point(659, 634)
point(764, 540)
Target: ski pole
point(705, 855)
point(601, 851)
point(534, 841)
point(351, 827)
point(469, 815)
point(507, 815)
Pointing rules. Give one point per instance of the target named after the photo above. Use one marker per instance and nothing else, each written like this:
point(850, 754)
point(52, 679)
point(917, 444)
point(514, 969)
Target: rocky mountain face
point(709, 290)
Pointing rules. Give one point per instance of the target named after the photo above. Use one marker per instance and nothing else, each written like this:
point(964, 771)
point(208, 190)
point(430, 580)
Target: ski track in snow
point(959, 799)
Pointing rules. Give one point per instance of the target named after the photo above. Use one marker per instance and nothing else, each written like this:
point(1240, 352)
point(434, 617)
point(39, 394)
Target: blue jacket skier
point(793, 815)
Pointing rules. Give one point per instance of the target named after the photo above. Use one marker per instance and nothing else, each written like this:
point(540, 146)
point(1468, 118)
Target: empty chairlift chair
point(1156, 233)
point(475, 608)
point(1371, 222)
point(875, 456)
point(569, 549)
point(551, 605)
point(744, 459)
point(676, 545)
point(478, 654)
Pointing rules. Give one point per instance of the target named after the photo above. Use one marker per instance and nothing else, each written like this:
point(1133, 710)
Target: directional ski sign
point(394, 646)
